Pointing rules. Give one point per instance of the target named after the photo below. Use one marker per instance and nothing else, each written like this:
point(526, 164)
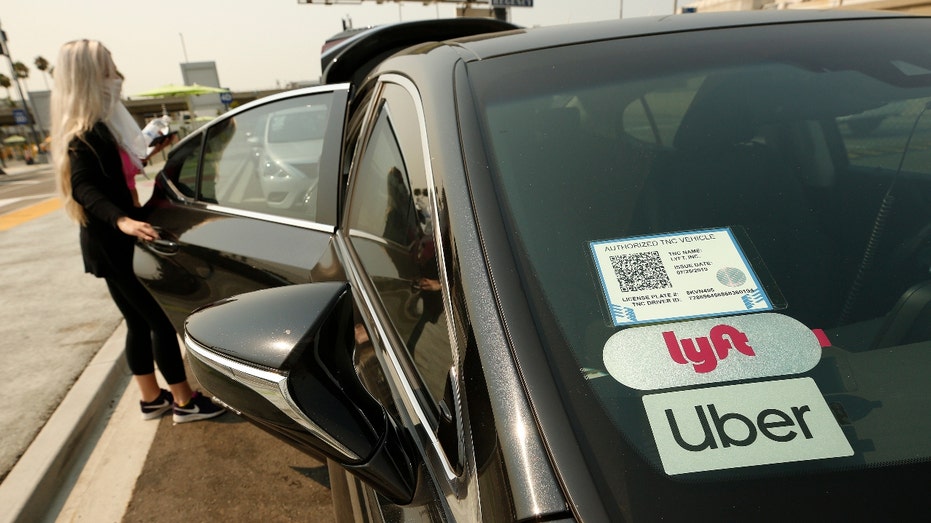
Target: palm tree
point(6, 83)
point(21, 70)
point(43, 65)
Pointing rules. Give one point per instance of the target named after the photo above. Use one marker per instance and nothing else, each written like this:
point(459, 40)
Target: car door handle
point(161, 246)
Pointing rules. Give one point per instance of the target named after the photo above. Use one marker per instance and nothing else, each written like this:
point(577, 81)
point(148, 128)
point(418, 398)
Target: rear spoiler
point(351, 60)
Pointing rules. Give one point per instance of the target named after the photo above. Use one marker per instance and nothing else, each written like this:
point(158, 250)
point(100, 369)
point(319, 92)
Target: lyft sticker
point(744, 426)
point(711, 350)
point(677, 276)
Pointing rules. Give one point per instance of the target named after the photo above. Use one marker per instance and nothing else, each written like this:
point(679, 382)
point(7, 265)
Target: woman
point(90, 127)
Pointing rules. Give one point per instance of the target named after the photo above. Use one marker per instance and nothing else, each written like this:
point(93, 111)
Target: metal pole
point(183, 48)
point(5, 49)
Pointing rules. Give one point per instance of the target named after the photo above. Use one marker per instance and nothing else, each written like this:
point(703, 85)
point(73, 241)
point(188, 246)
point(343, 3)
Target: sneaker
point(155, 409)
point(198, 408)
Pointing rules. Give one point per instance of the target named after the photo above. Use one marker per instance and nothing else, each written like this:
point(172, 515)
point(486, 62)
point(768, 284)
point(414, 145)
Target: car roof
point(483, 38)
point(557, 35)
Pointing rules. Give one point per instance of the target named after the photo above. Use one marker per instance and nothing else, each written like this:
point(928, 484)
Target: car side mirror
point(282, 358)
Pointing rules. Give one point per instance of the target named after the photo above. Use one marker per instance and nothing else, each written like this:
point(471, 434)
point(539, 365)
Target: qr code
point(641, 271)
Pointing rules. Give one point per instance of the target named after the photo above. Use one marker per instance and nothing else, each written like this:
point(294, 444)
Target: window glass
point(618, 165)
point(267, 159)
point(391, 230)
point(654, 116)
point(877, 137)
point(181, 167)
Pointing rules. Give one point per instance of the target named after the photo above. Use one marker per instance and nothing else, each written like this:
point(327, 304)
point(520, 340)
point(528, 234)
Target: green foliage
point(21, 70)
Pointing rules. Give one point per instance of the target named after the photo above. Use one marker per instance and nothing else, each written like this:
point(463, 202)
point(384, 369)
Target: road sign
point(226, 97)
point(20, 117)
point(512, 3)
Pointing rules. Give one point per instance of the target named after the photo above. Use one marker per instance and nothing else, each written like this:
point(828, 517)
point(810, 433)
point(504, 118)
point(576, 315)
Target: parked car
point(289, 155)
point(631, 270)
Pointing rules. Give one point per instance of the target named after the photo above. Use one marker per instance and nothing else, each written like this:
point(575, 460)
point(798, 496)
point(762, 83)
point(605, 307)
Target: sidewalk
point(18, 167)
point(53, 462)
point(57, 320)
point(94, 459)
point(106, 482)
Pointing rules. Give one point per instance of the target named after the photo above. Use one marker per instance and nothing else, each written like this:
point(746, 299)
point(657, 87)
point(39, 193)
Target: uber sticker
point(743, 426)
point(711, 350)
point(676, 276)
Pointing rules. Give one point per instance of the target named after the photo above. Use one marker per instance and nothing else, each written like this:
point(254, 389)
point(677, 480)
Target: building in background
point(203, 73)
point(904, 6)
point(41, 104)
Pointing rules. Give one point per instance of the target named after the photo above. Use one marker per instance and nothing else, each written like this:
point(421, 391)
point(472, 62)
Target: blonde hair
point(79, 100)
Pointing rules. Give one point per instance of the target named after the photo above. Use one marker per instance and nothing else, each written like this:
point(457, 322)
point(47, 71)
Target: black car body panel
point(201, 256)
point(302, 369)
point(499, 302)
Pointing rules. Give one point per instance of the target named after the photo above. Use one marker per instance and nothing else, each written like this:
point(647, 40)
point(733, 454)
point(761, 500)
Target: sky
point(256, 44)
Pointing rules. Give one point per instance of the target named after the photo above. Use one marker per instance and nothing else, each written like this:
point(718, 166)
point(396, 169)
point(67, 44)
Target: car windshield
point(725, 238)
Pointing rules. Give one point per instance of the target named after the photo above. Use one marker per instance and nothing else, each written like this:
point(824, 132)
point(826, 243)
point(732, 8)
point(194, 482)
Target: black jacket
point(98, 184)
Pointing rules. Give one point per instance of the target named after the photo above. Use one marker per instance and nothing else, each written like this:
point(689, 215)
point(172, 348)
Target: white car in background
point(289, 154)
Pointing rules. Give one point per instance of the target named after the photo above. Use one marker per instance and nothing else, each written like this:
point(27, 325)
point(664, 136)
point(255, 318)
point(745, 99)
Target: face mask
point(114, 89)
point(121, 123)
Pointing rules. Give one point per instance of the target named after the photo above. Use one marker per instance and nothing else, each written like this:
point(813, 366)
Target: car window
point(267, 159)
point(658, 207)
point(391, 229)
point(655, 114)
point(181, 168)
point(876, 137)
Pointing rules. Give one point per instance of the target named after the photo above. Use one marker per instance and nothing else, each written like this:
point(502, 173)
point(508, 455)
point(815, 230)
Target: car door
point(393, 253)
point(246, 203)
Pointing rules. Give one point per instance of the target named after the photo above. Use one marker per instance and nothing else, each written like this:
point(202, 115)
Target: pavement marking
point(10, 201)
point(20, 182)
point(12, 219)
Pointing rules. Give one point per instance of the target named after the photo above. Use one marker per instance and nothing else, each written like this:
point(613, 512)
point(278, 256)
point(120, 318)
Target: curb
point(21, 171)
point(41, 479)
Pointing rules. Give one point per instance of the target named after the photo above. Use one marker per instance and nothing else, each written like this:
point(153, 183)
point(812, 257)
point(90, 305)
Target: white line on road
point(20, 182)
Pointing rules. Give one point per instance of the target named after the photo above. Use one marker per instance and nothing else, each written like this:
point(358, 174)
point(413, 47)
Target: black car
point(633, 270)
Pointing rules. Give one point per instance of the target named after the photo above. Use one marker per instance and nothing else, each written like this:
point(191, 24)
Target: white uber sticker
point(677, 276)
point(743, 426)
point(711, 350)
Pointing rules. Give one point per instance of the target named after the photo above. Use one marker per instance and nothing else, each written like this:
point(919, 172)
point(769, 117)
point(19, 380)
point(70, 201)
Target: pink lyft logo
point(705, 351)
point(710, 350)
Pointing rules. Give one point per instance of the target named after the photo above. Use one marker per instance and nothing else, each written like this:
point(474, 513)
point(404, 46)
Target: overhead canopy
point(180, 90)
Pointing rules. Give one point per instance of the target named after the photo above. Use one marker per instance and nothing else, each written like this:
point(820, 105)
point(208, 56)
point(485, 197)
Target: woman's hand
point(426, 284)
point(141, 230)
point(164, 144)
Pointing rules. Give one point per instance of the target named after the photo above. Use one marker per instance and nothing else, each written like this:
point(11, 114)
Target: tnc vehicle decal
point(743, 425)
point(711, 350)
point(677, 276)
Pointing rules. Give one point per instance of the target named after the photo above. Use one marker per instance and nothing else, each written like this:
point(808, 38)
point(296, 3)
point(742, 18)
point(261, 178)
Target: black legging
point(149, 335)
